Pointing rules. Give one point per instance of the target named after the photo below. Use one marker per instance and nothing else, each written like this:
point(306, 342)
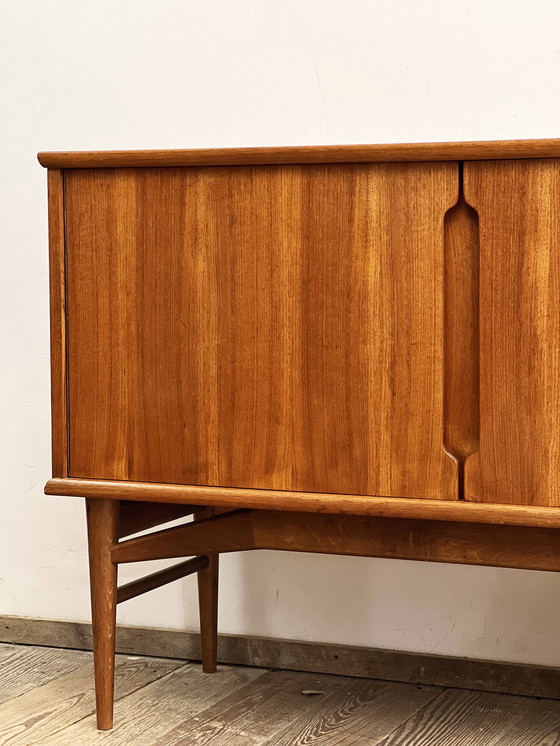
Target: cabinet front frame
point(511, 514)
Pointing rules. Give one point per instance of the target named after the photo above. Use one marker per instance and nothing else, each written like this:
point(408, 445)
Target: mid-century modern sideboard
point(347, 350)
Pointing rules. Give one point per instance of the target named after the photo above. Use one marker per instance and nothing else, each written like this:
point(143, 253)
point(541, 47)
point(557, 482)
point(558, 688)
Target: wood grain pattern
point(6, 650)
point(347, 717)
point(442, 151)
point(228, 533)
point(464, 718)
point(461, 343)
point(273, 710)
point(164, 702)
point(275, 328)
point(149, 714)
point(25, 668)
point(57, 283)
point(433, 541)
point(253, 713)
point(519, 456)
point(102, 525)
point(309, 502)
point(47, 708)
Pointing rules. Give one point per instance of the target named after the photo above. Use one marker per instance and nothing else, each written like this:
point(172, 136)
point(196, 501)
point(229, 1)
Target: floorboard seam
point(414, 715)
point(117, 699)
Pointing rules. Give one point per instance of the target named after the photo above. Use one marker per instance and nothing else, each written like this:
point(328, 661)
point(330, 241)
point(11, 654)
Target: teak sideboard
point(347, 350)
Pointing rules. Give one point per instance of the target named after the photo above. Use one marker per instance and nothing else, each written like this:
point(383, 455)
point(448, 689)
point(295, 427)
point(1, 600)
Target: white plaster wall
point(211, 73)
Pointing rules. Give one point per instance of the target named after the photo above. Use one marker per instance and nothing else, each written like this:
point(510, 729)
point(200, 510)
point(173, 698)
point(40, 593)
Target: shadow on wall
point(456, 610)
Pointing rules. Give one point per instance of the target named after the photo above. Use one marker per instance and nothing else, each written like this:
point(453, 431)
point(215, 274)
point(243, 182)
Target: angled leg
point(102, 523)
point(208, 606)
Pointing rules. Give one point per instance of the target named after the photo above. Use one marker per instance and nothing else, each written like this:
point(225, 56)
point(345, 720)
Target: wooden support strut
point(230, 532)
point(393, 538)
point(162, 577)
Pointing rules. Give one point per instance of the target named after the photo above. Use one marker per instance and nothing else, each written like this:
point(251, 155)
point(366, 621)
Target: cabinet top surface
point(388, 152)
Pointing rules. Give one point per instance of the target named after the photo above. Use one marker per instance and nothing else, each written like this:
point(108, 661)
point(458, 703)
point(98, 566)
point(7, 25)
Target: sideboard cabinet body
point(301, 335)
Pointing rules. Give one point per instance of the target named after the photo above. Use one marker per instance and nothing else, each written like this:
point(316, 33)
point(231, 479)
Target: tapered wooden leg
point(102, 522)
point(208, 606)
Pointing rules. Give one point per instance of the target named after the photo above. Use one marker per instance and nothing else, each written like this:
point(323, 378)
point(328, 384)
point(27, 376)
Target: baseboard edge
point(388, 665)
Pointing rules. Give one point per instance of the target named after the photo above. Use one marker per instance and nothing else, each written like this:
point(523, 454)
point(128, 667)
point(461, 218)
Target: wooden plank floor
point(46, 697)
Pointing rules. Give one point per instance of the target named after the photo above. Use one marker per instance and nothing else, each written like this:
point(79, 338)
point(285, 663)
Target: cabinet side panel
point(273, 327)
point(519, 455)
point(59, 422)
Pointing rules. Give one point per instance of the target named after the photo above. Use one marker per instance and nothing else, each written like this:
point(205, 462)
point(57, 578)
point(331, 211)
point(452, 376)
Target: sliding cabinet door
point(275, 327)
point(518, 203)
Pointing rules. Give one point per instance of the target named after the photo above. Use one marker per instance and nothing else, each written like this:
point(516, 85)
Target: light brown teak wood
point(268, 327)
point(518, 204)
point(433, 541)
point(461, 340)
point(386, 153)
point(311, 502)
point(352, 350)
point(102, 524)
point(57, 274)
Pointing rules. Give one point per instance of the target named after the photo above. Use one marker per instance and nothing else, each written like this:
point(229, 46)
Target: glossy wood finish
point(310, 502)
point(431, 541)
point(519, 457)
point(102, 523)
point(57, 279)
point(273, 328)
point(461, 341)
point(390, 152)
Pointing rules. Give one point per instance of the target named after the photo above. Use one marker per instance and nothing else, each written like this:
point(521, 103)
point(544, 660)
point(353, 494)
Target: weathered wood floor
point(46, 697)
